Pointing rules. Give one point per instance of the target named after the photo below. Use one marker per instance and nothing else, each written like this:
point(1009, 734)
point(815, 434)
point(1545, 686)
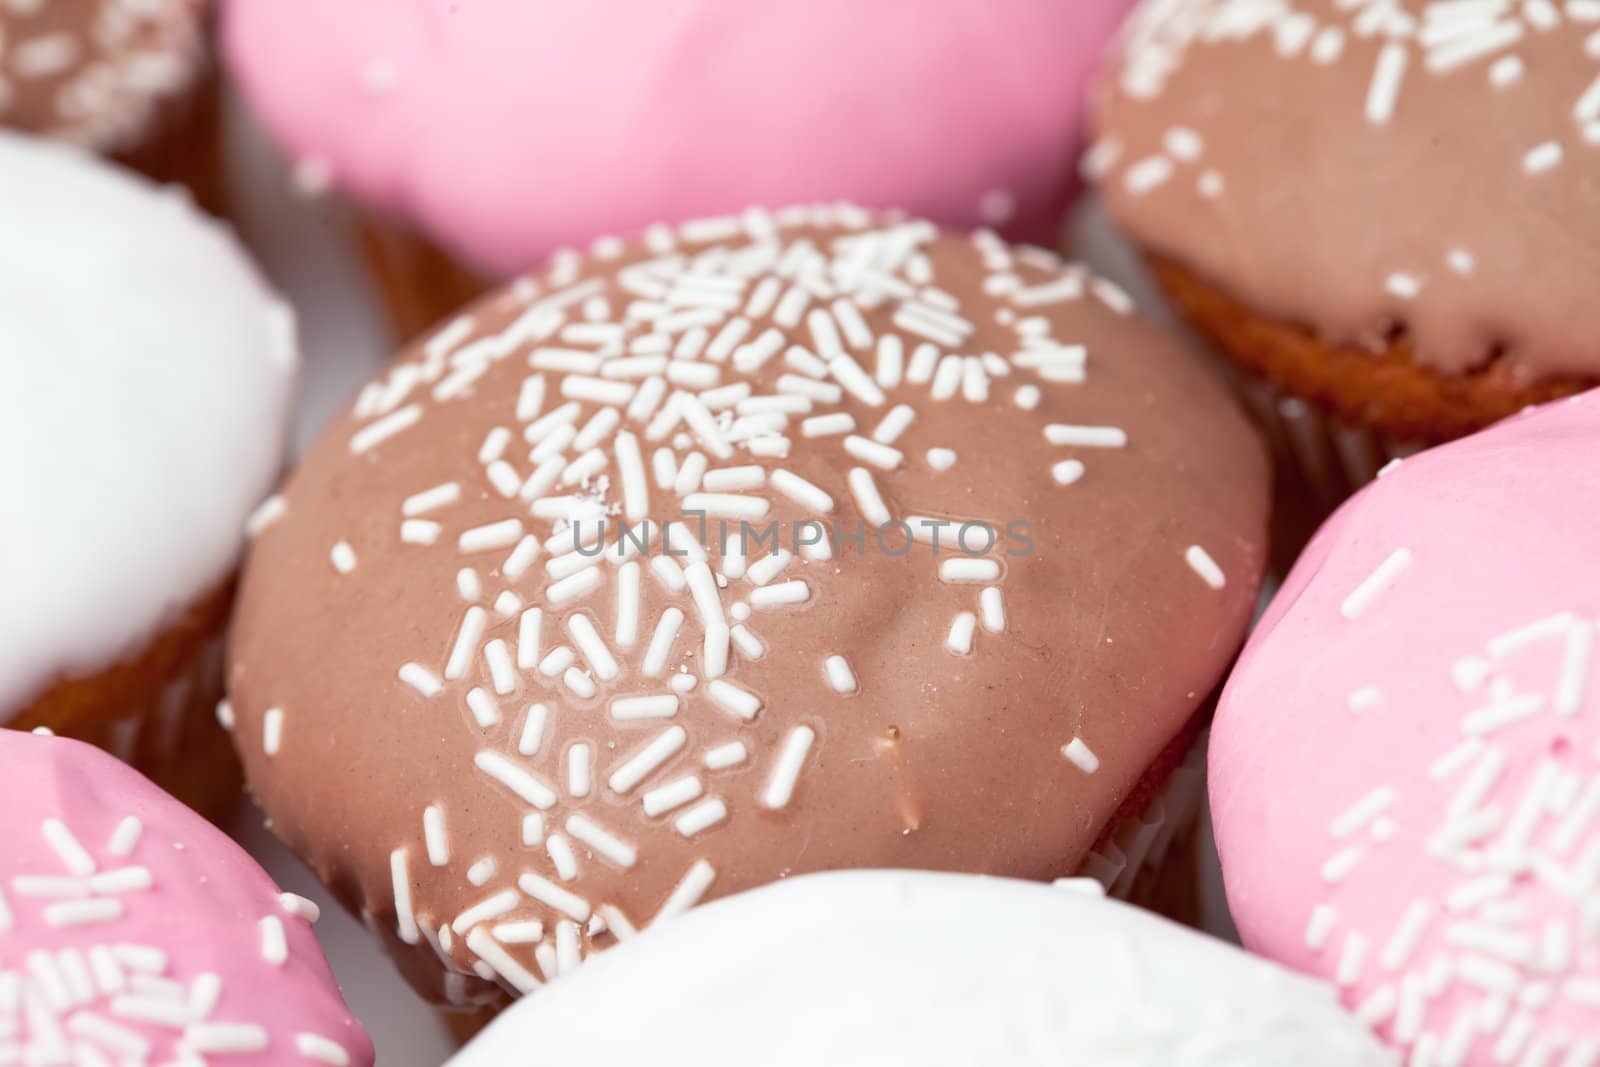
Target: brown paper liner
point(158, 711)
point(1337, 414)
point(1148, 856)
point(419, 283)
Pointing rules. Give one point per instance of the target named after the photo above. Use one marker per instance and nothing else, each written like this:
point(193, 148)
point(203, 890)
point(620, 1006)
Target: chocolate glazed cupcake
point(511, 736)
point(1386, 215)
point(130, 80)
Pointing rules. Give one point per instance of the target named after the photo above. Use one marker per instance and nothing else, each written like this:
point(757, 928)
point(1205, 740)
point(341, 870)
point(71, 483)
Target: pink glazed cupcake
point(132, 932)
point(1406, 764)
point(487, 136)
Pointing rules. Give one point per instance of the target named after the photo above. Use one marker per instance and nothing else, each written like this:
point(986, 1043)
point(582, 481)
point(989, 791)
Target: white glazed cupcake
point(150, 372)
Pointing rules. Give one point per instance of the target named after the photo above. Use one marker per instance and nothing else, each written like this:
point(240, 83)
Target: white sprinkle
point(375, 433)
point(961, 633)
point(529, 641)
point(1028, 397)
point(840, 676)
point(520, 559)
point(433, 834)
point(661, 641)
point(533, 729)
point(1320, 928)
point(74, 857)
point(1201, 563)
point(272, 731)
point(1081, 756)
point(794, 591)
point(125, 838)
point(573, 588)
point(524, 932)
point(606, 845)
point(1067, 472)
point(1364, 595)
point(484, 707)
point(274, 943)
point(688, 891)
point(548, 893)
point(1086, 436)
point(1351, 959)
point(801, 491)
point(648, 759)
point(83, 912)
point(656, 706)
point(224, 1038)
point(593, 647)
point(727, 755)
point(266, 513)
point(674, 794)
point(969, 570)
point(493, 536)
point(1545, 157)
point(992, 609)
point(786, 770)
point(502, 962)
point(521, 782)
point(1403, 286)
point(1364, 699)
point(1572, 685)
point(703, 816)
point(1408, 933)
point(857, 382)
point(1341, 864)
point(400, 875)
point(1387, 76)
point(881, 456)
point(734, 699)
point(465, 647)
point(565, 860)
point(1147, 174)
point(503, 674)
point(320, 1049)
point(580, 763)
point(1359, 816)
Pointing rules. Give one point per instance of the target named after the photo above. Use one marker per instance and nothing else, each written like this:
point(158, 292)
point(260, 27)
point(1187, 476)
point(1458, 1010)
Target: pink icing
point(200, 915)
point(510, 129)
point(1487, 630)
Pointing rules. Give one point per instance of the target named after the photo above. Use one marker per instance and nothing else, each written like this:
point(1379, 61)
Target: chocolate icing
point(96, 72)
point(1115, 627)
point(1373, 167)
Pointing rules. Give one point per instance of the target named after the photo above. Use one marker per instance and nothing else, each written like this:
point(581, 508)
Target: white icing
point(871, 968)
point(148, 376)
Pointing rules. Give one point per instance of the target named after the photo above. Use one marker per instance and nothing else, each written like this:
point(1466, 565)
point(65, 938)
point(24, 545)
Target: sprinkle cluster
point(1402, 40)
point(1471, 972)
point(99, 78)
point(110, 1000)
point(678, 382)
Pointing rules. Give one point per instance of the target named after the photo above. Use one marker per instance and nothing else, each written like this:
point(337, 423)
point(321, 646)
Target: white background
point(303, 248)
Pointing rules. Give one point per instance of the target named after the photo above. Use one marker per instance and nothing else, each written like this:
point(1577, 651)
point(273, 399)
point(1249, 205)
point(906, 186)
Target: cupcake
point(1405, 768)
point(131, 931)
point(482, 138)
point(1379, 213)
point(874, 967)
point(777, 544)
point(130, 80)
point(145, 417)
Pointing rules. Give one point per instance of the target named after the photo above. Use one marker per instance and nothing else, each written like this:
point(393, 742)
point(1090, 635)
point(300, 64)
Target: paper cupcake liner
point(173, 736)
point(1128, 864)
point(419, 283)
point(1330, 458)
